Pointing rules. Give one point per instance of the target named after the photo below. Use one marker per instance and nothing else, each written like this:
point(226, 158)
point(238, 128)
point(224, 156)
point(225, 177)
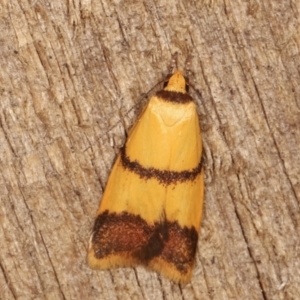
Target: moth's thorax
point(176, 83)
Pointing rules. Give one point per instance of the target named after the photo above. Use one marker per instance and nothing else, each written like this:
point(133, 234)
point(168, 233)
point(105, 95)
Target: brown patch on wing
point(129, 235)
point(174, 97)
point(180, 248)
point(163, 176)
point(125, 232)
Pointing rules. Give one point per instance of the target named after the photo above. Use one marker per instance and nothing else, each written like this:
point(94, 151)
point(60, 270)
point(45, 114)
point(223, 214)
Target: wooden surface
point(71, 70)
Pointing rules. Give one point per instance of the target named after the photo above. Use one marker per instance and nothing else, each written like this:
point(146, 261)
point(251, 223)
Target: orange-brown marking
point(115, 234)
point(163, 176)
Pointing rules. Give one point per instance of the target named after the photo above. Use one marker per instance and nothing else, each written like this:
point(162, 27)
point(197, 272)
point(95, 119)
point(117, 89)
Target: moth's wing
point(128, 229)
point(183, 203)
point(153, 219)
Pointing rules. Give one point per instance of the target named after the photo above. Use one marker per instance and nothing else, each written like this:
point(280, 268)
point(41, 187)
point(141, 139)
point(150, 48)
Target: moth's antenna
point(174, 64)
point(144, 95)
point(187, 69)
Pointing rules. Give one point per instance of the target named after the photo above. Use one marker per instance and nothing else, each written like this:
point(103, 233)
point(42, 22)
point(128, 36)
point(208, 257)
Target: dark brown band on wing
point(163, 176)
point(129, 235)
point(174, 97)
point(180, 247)
point(115, 234)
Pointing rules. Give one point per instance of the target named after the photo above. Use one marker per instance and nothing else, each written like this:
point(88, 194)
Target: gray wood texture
point(70, 72)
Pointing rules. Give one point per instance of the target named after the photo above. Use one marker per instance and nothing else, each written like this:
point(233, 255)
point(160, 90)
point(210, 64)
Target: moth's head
point(177, 83)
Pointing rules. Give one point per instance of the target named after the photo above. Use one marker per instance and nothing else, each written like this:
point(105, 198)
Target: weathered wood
point(70, 70)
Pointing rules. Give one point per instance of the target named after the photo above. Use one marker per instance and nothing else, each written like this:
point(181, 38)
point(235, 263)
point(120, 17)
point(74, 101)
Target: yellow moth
point(151, 209)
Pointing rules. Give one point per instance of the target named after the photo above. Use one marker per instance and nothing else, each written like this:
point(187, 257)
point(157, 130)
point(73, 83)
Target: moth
point(151, 208)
